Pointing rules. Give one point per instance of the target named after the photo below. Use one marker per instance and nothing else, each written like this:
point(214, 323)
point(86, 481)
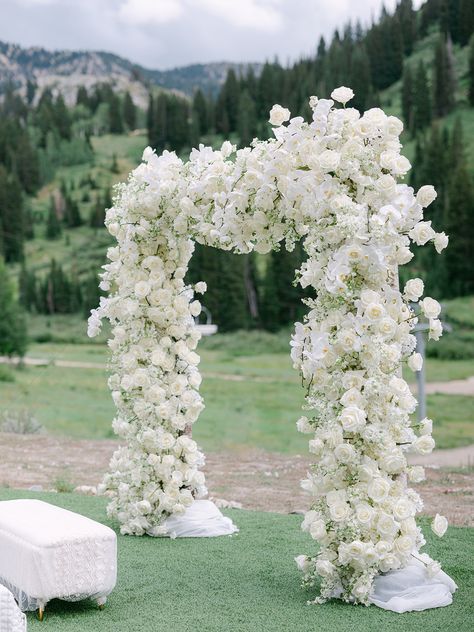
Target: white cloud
point(261, 15)
point(146, 12)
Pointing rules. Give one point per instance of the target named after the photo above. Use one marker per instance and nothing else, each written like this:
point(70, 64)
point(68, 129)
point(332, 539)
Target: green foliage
point(13, 335)
point(53, 225)
point(6, 374)
point(11, 217)
point(129, 112)
point(443, 79)
point(422, 113)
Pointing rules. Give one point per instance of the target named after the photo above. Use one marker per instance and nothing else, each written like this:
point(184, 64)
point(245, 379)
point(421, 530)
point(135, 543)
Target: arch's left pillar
point(155, 477)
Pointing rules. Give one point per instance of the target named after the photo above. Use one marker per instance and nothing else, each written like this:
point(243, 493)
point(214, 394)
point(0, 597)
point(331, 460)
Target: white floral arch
point(331, 183)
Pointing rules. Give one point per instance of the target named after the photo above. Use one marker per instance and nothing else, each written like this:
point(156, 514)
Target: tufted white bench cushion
point(50, 553)
point(12, 618)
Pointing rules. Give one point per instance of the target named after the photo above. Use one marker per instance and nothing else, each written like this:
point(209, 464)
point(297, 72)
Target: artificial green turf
point(243, 583)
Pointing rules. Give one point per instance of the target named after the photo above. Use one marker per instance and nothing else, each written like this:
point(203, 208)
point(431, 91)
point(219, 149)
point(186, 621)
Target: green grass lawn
point(248, 413)
point(244, 583)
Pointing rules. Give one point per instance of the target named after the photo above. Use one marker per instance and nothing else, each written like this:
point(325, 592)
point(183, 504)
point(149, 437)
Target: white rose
point(386, 525)
point(394, 126)
point(440, 242)
point(278, 115)
point(142, 289)
point(329, 160)
point(200, 287)
point(426, 426)
point(424, 444)
point(316, 446)
point(195, 308)
point(398, 385)
point(421, 233)
point(404, 544)
point(439, 525)
point(303, 425)
point(325, 568)
point(364, 513)
point(415, 362)
point(416, 474)
point(342, 95)
point(403, 509)
point(353, 418)
point(436, 329)
point(309, 517)
point(352, 397)
point(344, 453)
point(378, 489)
point(413, 289)
point(339, 511)
point(430, 307)
point(318, 530)
point(386, 184)
point(387, 326)
point(303, 563)
point(426, 195)
point(374, 311)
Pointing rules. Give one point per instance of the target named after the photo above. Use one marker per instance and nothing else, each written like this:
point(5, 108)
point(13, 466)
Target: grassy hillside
point(390, 98)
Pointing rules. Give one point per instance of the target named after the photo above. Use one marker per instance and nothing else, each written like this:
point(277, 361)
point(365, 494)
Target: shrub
point(19, 422)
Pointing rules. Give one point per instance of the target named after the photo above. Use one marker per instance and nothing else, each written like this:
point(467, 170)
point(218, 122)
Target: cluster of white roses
point(332, 184)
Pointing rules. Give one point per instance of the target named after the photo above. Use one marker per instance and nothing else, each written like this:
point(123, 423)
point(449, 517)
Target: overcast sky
point(168, 33)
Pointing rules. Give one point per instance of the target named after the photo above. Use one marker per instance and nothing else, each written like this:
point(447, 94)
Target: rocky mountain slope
point(65, 71)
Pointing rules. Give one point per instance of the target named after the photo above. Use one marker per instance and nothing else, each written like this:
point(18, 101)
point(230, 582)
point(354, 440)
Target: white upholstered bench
point(50, 553)
point(12, 618)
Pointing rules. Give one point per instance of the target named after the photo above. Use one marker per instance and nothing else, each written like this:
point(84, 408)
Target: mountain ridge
point(66, 70)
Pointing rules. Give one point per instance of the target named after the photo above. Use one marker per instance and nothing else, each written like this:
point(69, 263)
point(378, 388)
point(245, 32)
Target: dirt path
point(452, 387)
point(256, 479)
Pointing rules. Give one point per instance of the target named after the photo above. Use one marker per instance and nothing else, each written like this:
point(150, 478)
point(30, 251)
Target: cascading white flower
point(331, 184)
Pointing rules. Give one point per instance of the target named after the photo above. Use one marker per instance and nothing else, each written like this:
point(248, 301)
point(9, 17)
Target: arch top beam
point(334, 184)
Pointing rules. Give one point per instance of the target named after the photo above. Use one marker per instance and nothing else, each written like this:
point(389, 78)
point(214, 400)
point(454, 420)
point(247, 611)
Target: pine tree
point(27, 289)
point(200, 113)
point(62, 118)
point(233, 308)
point(97, 214)
point(270, 308)
point(443, 80)
point(247, 119)
point(407, 18)
point(361, 82)
point(11, 217)
point(466, 21)
point(82, 97)
point(72, 215)
point(53, 225)
point(421, 100)
point(407, 97)
point(13, 334)
point(151, 120)
point(458, 224)
point(471, 72)
point(90, 293)
point(115, 115)
point(129, 112)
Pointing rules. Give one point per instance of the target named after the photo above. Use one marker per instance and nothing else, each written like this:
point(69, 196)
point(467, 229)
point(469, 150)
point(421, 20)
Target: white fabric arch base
point(202, 519)
point(411, 588)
